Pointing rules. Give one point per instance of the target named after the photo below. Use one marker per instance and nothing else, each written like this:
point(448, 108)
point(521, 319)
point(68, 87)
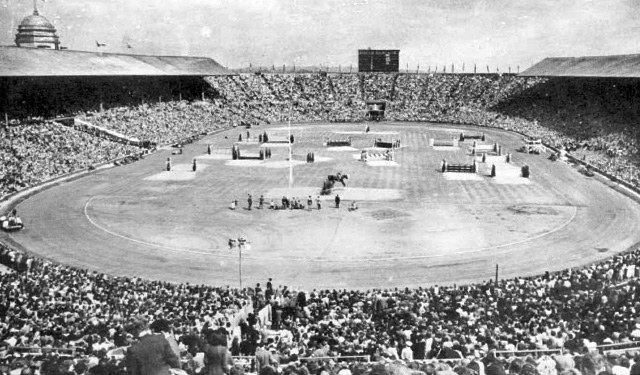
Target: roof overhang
point(615, 66)
point(32, 62)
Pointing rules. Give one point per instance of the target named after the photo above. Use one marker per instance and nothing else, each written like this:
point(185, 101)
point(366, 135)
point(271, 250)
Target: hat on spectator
point(495, 368)
point(80, 368)
point(160, 325)
point(474, 366)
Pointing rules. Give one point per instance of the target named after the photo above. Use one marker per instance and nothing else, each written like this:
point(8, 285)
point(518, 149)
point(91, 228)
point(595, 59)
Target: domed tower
point(36, 31)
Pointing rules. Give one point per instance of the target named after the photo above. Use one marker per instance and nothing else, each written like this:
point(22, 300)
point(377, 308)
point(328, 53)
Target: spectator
point(151, 354)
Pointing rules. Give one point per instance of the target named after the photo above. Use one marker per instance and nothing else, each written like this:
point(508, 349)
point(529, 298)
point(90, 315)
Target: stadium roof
point(620, 66)
point(33, 62)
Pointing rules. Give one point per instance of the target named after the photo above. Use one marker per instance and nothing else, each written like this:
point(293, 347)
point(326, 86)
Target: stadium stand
point(49, 306)
point(53, 316)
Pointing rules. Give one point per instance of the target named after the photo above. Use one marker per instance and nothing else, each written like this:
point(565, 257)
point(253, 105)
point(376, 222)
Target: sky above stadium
point(329, 32)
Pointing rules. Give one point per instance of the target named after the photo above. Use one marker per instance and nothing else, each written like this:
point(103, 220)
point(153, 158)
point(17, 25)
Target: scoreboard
point(379, 60)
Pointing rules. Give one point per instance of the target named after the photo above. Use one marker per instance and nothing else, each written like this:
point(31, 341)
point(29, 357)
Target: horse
point(338, 177)
point(327, 186)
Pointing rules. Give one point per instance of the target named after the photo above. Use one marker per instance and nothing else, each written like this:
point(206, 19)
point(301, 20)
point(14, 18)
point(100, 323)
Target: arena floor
point(415, 226)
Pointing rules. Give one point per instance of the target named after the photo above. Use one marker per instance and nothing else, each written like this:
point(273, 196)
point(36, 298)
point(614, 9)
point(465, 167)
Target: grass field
point(415, 225)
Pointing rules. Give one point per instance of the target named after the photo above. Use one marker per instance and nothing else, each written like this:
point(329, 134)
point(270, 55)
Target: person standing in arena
point(337, 201)
point(249, 202)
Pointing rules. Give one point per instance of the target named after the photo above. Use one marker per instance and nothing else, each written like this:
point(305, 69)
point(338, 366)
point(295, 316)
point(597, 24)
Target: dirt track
point(137, 220)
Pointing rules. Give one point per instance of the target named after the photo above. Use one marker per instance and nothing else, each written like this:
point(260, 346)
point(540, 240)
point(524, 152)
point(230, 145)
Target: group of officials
point(290, 203)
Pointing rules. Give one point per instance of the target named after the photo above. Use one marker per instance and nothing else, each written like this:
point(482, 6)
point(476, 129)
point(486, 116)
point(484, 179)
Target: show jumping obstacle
point(494, 148)
point(459, 168)
point(262, 155)
point(267, 139)
point(388, 155)
point(378, 143)
point(488, 158)
point(443, 142)
point(337, 142)
point(464, 137)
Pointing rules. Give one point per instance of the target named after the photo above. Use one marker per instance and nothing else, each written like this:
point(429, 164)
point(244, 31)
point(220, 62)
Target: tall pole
point(496, 273)
point(240, 264)
point(290, 146)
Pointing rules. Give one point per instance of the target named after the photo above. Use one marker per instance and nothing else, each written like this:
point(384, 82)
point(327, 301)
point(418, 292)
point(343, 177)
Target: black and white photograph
point(338, 187)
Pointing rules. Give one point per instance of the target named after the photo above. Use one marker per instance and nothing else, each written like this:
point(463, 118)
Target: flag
point(232, 243)
point(240, 242)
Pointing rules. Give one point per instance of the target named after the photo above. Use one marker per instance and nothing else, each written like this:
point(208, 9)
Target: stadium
point(336, 222)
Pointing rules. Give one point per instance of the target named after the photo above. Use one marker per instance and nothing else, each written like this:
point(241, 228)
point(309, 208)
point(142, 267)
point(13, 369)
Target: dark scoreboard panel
point(378, 60)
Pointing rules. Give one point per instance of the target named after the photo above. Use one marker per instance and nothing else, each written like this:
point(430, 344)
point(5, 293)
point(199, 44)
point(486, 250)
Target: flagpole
point(290, 152)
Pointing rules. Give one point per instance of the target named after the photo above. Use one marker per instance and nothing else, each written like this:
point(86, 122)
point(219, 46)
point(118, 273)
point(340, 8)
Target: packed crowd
point(45, 305)
point(37, 151)
point(163, 122)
